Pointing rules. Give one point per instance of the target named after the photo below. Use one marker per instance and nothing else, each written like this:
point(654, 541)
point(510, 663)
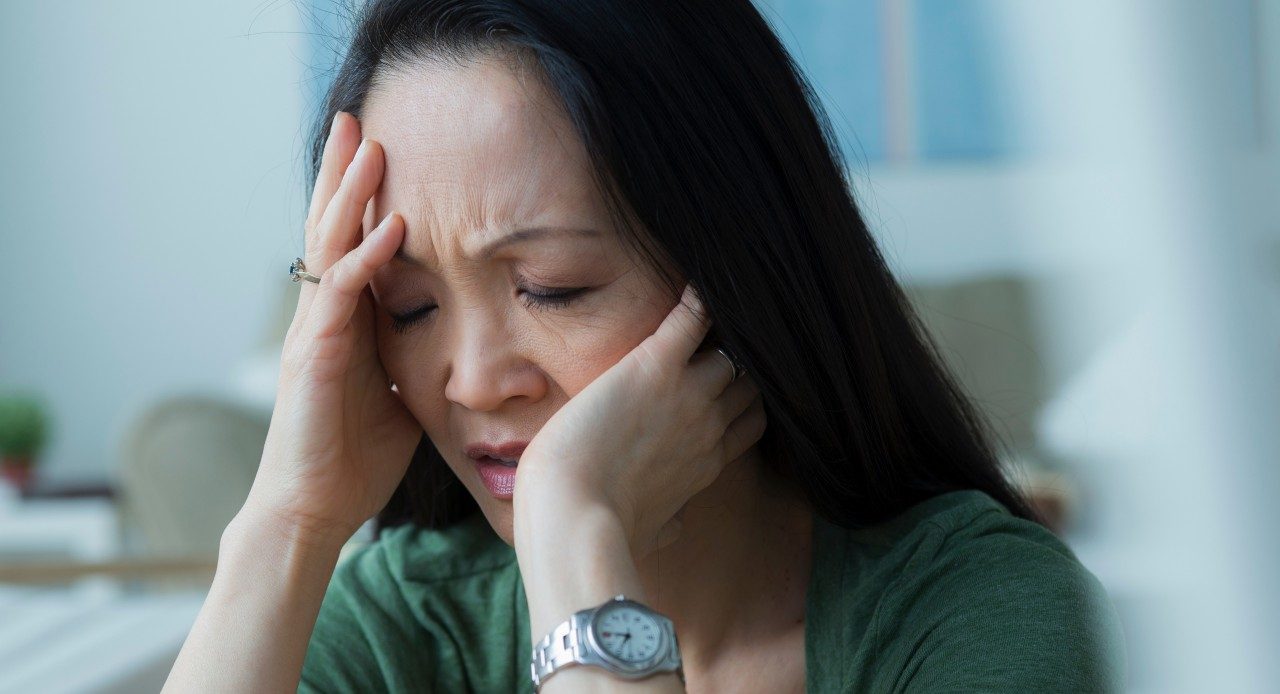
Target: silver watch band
point(555, 650)
point(566, 644)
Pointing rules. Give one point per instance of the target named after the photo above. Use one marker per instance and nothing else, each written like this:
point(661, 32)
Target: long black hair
point(714, 154)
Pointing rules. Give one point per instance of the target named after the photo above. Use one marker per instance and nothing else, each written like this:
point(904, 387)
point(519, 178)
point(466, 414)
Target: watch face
point(628, 634)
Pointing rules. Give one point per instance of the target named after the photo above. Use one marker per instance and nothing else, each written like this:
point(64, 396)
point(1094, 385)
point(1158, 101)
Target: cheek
point(396, 354)
point(582, 350)
point(408, 362)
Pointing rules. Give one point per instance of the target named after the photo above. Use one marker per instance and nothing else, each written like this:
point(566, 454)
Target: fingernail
point(333, 125)
point(385, 223)
point(364, 145)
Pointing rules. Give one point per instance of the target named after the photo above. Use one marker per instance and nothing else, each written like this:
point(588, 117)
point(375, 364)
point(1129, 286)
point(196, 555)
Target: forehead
point(474, 149)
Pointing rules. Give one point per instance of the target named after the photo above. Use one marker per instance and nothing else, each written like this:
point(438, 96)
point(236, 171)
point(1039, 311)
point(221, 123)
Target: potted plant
point(24, 428)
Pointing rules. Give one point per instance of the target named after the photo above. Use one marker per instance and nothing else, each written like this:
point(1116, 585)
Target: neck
point(739, 571)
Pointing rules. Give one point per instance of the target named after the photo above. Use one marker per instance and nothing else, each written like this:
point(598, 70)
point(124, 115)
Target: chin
point(499, 513)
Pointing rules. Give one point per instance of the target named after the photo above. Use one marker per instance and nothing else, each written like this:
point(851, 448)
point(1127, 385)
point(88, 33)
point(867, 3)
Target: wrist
point(545, 506)
point(572, 561)
point(270, 530)
point(601, 637)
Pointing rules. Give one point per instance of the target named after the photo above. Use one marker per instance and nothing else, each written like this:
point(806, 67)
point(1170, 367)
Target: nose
point(486, 369)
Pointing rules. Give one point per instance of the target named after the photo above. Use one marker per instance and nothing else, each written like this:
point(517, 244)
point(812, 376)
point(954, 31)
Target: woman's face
point(474, 154)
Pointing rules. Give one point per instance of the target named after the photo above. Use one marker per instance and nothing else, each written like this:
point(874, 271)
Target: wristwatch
point(620, 635)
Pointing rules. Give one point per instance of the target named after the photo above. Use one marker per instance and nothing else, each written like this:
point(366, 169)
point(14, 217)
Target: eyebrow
point(486, 251)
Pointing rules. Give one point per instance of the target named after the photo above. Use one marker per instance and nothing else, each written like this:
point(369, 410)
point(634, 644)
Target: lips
point(507, 453)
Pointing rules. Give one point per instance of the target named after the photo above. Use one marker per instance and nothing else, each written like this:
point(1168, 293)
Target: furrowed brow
point(517, 236)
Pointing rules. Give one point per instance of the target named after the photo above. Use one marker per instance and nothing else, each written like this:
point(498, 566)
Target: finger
point(339, 149)
point(339, 229)
point(736, 398)
point(685, 327)
point(711, 371)
point(342, 285)
point(744, 431)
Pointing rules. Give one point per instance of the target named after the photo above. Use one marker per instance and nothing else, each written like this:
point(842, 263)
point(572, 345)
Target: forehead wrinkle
point(505, 166)
point(494, 200)
point(515, 166)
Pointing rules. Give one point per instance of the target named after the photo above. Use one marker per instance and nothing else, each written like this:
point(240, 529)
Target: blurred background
point(1081, 198)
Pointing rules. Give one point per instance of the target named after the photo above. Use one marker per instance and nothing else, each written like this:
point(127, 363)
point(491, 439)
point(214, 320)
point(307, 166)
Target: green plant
point(24, 426)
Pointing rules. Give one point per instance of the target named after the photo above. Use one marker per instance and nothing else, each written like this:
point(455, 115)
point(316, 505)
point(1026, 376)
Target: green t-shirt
point(954, 594)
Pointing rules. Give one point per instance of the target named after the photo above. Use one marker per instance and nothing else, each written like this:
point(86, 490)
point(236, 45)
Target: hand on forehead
point(473, 151)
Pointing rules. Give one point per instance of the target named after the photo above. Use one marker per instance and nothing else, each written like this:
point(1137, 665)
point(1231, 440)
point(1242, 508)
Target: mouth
point(507, 453)
point(497, 461)
point(496, 466)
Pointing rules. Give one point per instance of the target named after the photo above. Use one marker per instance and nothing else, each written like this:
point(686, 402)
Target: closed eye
point(555, 299)
point(402, 323)
point(543, 301)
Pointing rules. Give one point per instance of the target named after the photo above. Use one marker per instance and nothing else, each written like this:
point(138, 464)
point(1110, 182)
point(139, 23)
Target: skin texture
point(466, 164)
point(472, 153)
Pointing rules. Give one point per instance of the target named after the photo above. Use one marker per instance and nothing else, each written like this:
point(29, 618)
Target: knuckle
point(335, 275)
point(364, 266)
point(291, 335)
point(330, 210)
point(351, 268)
point(292, 358)
point(649, 359)
point(297, 342)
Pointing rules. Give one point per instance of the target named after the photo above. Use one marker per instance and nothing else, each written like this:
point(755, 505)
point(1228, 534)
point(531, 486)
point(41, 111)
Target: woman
point(597, 315)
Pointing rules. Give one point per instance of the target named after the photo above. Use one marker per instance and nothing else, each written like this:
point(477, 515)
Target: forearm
point(252, 632)
point(572, 561)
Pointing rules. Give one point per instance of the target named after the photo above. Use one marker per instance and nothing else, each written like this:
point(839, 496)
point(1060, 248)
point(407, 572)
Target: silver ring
point(299, 271)
point(733, 364)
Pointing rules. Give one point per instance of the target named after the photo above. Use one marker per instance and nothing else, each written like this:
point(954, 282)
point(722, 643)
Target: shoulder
point(417, 609)
point(976, 598)
point(970, 530)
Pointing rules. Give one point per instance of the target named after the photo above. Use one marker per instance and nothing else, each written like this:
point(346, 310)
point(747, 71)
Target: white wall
point(150, 202)
point(1148, 216)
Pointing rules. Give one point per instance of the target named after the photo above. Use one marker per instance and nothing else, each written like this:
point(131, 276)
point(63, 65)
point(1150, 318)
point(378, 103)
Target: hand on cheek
point(642, 438)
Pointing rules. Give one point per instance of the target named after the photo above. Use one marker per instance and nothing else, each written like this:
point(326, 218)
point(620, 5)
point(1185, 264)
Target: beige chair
point(985, 329)
point(187, 461)
point(186, 466)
